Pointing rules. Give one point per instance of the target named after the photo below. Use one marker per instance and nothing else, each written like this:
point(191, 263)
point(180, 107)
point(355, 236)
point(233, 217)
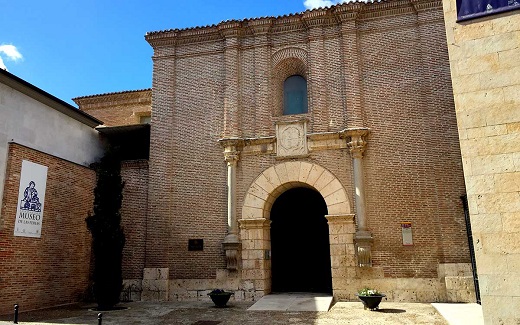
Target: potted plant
point(220, 297)
point(370, 298)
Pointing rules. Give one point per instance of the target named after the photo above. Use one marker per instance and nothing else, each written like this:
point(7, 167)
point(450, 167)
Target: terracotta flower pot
point(371, 302)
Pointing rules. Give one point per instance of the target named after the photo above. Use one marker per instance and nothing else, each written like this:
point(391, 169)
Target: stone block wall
point(54, 269)
point(485, 72)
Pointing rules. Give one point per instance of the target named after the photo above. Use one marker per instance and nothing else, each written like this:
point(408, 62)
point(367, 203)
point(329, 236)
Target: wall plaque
point(291, 139)
point(195, 244)
point(406, 229)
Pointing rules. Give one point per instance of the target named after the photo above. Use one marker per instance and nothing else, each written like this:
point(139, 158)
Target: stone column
point(231, 243)
point(363, 237)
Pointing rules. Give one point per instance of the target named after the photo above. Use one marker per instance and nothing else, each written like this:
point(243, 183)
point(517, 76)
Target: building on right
point(484, 49)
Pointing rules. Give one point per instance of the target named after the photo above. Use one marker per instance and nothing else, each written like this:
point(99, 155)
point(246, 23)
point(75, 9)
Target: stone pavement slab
point(461, 314)
point(293, 302)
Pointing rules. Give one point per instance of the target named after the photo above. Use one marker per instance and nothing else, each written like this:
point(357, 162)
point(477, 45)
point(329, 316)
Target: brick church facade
point(375, 147)
point(295, 153)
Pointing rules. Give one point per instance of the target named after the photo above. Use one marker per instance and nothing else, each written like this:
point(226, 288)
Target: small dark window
point(295, 95)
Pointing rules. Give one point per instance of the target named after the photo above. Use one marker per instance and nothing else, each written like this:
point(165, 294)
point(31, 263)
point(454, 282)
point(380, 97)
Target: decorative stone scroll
point(291, 139)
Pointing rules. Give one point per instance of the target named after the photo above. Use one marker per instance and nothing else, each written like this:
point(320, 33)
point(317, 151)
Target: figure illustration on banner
point(30, 200)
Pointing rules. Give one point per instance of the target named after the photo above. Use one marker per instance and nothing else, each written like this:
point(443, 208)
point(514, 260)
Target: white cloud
point(312, 4)
point(10, 52)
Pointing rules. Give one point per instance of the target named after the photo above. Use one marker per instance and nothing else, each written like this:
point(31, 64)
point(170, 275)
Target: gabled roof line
point(44, 97)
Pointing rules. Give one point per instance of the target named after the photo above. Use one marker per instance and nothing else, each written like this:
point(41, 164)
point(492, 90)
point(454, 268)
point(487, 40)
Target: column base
point(364, 242)
point(231, 246)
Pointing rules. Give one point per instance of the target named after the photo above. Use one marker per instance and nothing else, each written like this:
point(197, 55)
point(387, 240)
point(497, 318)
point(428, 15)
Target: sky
point(76, 48)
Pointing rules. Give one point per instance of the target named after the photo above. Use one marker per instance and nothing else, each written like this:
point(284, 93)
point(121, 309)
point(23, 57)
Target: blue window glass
point(295, 95)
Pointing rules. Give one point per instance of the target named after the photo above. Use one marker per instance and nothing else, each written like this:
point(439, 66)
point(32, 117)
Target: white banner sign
point(31, 197)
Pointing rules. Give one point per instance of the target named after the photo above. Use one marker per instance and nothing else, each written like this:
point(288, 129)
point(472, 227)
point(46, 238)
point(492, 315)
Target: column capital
point(358, 140)
point(232, 148)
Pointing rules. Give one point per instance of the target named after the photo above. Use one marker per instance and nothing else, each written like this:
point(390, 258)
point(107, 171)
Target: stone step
point(294, 301)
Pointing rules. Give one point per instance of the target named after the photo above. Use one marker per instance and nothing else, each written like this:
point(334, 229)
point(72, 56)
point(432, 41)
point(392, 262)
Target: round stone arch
point(255, 223)
point(277, 179)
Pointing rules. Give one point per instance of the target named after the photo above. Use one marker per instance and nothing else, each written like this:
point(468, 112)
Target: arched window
point(295, 95)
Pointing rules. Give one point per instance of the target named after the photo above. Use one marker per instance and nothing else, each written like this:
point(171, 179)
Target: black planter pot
point(220, 299)
point(371, 302)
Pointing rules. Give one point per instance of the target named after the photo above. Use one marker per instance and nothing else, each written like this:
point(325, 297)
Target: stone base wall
point(458, 278)
point(454, 284)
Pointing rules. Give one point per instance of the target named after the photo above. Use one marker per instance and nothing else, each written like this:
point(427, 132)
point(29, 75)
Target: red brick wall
point(387, 70)
point(115, 109)
point(413, 163)
point(54, 269)
point(133, 216)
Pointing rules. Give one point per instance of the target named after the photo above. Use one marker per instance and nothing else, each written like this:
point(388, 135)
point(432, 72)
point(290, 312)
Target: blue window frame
point(470, 9)
point(295, 95)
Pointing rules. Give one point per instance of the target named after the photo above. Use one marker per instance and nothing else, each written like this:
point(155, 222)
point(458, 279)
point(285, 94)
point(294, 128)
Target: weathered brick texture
point(54, 269)
point(133, 216)
point(120, 108)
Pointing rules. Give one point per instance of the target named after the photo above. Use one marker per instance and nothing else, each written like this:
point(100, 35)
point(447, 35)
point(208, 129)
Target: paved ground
point(203, 313)
point(461, 314)
point(294, 301)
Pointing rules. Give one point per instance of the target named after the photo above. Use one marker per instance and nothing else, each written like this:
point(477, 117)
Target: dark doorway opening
point(300, 251)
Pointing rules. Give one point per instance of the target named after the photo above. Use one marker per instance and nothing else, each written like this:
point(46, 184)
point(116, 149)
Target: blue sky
point(76, 48)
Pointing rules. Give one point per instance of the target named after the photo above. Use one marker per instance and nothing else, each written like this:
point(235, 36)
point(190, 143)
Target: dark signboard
point(469, 9)
point(195, 244)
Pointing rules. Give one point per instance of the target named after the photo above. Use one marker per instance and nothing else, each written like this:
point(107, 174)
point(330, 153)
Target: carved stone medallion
point(291, 139)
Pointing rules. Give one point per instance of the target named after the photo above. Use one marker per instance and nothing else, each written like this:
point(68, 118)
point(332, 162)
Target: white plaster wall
point(26, 121)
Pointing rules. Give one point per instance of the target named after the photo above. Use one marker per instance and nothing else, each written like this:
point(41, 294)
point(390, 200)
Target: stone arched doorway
point(255, 221)
point(300, 253)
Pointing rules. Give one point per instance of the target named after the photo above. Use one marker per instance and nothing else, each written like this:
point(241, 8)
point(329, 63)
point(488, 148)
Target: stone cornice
point(315, 141)
point(334, 15)
point(420, 5)
point(260, 26)
point(348, 12)
point(350, 132)
point(231, 142)
point(230, 28)
point(318, 18)
point(254, 223)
